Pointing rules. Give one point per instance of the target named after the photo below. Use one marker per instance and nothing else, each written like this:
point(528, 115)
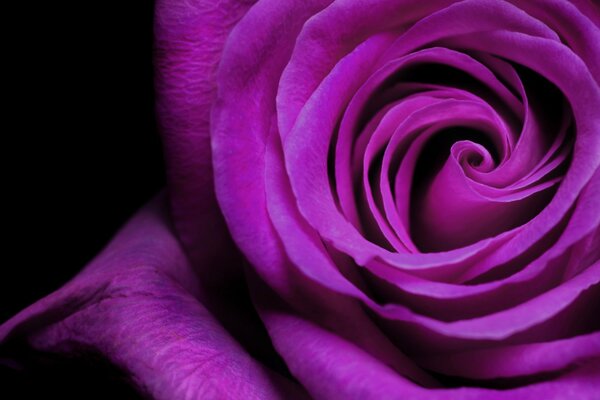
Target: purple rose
point(414, 189)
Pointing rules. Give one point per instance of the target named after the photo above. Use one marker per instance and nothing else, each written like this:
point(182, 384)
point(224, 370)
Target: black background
point(81, 154)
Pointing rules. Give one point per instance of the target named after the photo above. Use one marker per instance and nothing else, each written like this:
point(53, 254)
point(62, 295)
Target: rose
point(414, 185)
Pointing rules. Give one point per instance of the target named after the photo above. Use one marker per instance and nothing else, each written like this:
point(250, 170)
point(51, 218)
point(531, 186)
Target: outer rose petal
point(190, 36)
point(330, 367)
point(135, 305)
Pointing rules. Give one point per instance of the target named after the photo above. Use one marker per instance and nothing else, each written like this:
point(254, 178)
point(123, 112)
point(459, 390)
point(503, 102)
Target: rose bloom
point(386, 199)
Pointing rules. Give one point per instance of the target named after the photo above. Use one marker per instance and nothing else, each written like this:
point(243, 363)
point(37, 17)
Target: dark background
point(81, 154)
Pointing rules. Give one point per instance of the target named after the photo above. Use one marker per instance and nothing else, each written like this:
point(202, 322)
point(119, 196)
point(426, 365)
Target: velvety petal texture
point(137, 305)
point(435, 163)
point(372, 199)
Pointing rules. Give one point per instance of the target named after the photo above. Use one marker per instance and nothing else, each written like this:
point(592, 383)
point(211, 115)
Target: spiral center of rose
point(444, 149)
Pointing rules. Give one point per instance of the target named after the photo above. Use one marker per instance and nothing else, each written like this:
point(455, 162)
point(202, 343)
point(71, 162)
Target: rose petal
point(330, 367)
point(517, 360)
point(189, 40)
point(135, 305)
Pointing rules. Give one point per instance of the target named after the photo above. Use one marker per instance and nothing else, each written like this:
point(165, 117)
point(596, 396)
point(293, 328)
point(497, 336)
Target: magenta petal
point(190, 37)
point(330, 367)
point(136, 305)
point(518, 360)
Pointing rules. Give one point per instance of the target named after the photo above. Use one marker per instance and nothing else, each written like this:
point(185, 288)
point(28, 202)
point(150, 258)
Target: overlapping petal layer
point(138, 305)
point(416, 188)
point(433, 165)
